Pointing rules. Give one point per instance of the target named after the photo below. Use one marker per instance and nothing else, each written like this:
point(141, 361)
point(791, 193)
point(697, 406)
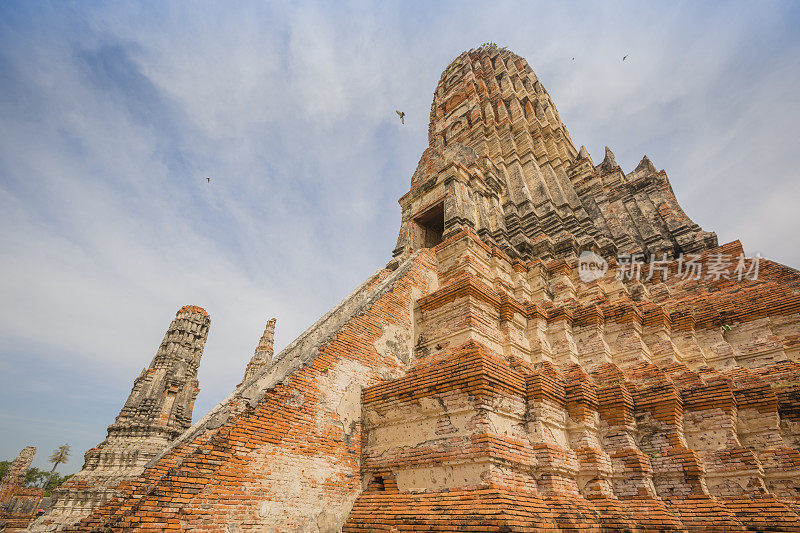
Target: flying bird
point(402, 116)
point(625, 57)
point(573, 59)
point(208, 179)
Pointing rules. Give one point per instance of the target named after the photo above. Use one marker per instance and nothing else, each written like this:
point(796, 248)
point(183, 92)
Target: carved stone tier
point(501, 162)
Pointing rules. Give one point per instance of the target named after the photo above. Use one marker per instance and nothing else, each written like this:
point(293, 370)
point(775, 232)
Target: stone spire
point(645, 165)
point(263, 353)
point(15, 475)
point(163, 395)
point(158, 409)
point(609, 161)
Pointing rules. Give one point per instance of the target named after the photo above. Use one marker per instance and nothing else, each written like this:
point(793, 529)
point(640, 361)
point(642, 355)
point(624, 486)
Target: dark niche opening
point(430, 226)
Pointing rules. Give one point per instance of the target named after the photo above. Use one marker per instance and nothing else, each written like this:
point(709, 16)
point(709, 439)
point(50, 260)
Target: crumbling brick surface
point(478, 383)
point(158, 409)
point(18, 503)
point(493, 403)
point(285, 456)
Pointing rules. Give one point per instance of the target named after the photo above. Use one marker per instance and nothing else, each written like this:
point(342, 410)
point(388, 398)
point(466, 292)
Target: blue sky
point(113, 113)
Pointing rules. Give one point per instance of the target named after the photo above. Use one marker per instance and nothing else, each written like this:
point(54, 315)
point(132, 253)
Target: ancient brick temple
point(18, 503)
point(158, 409)
point(489, 379)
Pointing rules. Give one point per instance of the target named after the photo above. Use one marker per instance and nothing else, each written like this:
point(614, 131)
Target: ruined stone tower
point(15, 476)
point(18, 502)
point(480, 382)
point(158, 409)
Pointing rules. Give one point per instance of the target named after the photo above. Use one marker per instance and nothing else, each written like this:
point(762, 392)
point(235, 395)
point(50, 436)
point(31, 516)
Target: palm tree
point(60, 455)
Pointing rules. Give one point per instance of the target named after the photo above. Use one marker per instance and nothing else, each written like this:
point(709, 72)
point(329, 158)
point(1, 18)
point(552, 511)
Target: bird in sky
point(573, 59)
point(208, 179)
point(402, 116)
point(625, 57)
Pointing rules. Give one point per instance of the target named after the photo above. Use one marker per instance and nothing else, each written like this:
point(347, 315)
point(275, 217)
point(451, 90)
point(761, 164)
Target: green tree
point(35, 477)
point(60, 455)
point(55, 481)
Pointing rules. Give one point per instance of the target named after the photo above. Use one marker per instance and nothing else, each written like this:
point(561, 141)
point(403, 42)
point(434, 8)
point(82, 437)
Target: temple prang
point(482, 382)
point(501, 163)
point(157, 411)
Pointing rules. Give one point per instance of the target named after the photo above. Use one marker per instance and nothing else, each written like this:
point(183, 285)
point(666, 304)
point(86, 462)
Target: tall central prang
point(501, 162)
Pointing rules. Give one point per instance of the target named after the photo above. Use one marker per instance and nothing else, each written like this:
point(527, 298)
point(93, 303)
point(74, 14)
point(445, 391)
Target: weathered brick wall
point(608, 453)
point(18, 503)
point(506, 413)
point(158, 409)
point(283, 453)
point(595, 411)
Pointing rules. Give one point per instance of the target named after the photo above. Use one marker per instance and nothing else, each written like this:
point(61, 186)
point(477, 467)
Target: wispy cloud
point(113, 114)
